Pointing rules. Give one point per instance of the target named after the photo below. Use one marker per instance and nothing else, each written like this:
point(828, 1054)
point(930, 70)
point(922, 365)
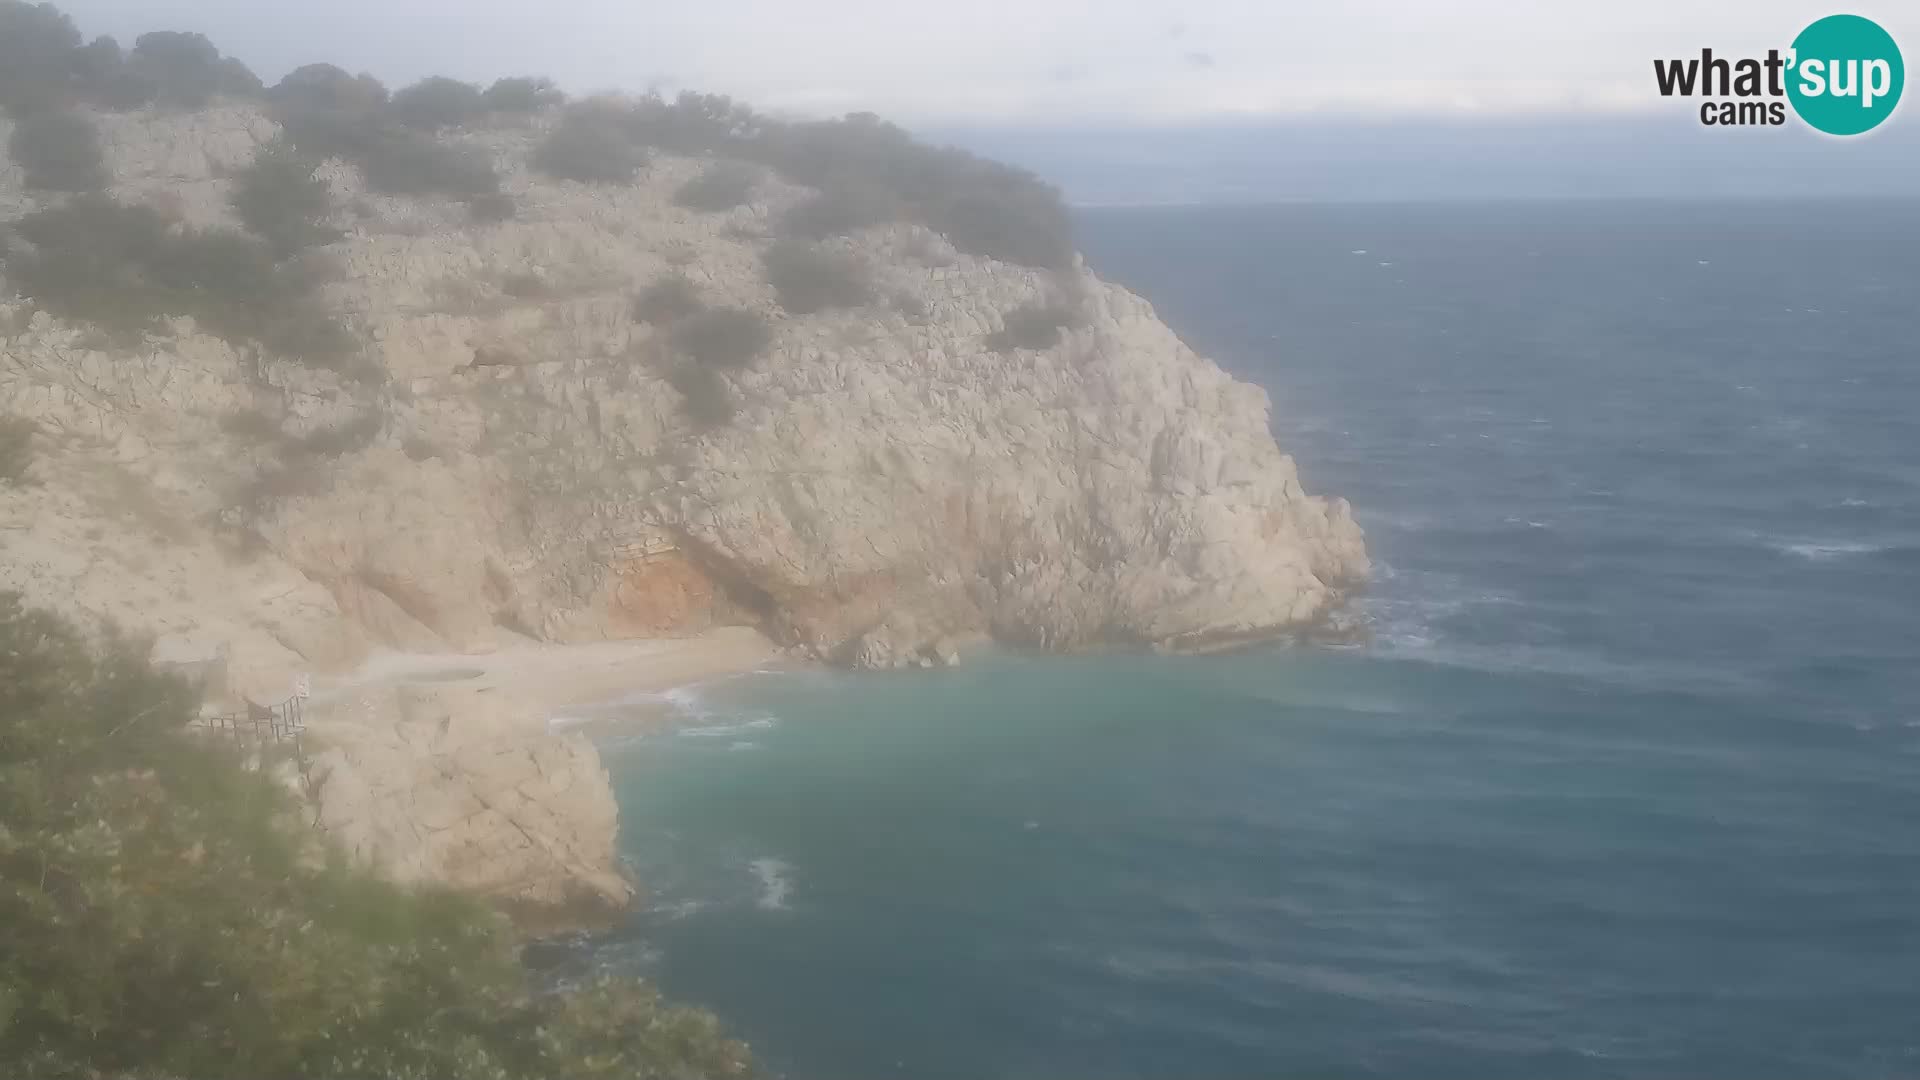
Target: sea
point(1625, 784)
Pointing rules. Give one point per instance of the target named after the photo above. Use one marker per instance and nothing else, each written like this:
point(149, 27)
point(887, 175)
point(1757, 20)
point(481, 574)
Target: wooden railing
point(284, 722)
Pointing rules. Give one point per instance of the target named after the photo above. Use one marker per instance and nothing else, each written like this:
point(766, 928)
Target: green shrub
point(434, 103)
point(589, 147)
point(37, 43)
point(324, 86)
point(492, 208)
point(522, 94)
point(670, 297)
point(1013, 220)
point(811, 279)
point(403, 163)
point(166, 912)
point(325, 112)
point(279, 199)
point(690, 124)
point(1032, 326)
point(983, 207)
point(59, 151)
point(708, 399)
point(185, 70)
point(122, 267)
point(16, 449)
point(725, 185)
point(729, 338)
point(846, 207)
point(100, 71)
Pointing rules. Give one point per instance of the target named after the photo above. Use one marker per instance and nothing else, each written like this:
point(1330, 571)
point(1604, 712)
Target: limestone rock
point(468, 789)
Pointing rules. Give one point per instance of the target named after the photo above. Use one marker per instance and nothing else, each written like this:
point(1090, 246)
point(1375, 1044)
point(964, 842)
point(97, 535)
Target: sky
point(1016, 73)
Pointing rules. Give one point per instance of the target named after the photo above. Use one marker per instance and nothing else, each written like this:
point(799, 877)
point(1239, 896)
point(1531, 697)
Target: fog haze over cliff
point(1417, 159)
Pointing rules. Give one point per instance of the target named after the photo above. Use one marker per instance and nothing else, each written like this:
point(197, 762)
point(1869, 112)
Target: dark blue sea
point(1627, 783)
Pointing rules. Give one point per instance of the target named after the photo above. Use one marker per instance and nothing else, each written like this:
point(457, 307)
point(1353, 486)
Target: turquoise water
point(1627, 784)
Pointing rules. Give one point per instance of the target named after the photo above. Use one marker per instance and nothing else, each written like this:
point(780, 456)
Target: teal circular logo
point(1845, 75)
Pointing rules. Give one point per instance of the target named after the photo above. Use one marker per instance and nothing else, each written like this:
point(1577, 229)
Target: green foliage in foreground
point(165, 913)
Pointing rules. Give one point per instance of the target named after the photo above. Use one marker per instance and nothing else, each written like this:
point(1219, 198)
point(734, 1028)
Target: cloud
point(1001, 60)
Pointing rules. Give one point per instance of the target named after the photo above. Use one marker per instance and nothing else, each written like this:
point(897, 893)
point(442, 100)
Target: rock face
point(439, 784)
point(524, 468)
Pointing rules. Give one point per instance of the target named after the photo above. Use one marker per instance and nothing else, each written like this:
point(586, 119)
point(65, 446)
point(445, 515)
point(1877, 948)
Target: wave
point(1829, 550)
point(776, 882)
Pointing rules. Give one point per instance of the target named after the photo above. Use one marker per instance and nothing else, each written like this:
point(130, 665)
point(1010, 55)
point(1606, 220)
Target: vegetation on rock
point(124, 267)
point(165, 912)
point(522, 94)
point(729, 338)
point(59, 151)
point(589, 146)
point(279, 199)
point(436, 102)
point(810, 279)
point(725, 185)
point(670, 297)
point(16, 449)
point(1033, 326)
point(709, 400)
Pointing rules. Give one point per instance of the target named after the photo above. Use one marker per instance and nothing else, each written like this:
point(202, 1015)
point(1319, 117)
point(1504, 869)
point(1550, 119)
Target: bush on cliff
point(846, 207)
point(166, 912)
point(324, 86)
point(691, 123)
point(729, 338)
point(984, 207)
point(521, 94)
point(405, 163)
point(1033, 326)
point(279, 199)
point(670, 297)
point(438, 102)
point(811, 279)
point(124, 267)
point(37, 46)
point(16, 449)
point(590, 147)
point(709, 400)
point(725, 185)
point(59, 151)
point(185, 70)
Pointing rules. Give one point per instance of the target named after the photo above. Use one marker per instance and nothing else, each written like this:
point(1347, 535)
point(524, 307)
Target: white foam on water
point(1825, 550)
point(776, 882)
point(678, 909)
point(727, 728)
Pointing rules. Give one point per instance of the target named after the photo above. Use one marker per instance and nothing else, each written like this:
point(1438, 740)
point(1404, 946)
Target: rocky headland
point(574, 402)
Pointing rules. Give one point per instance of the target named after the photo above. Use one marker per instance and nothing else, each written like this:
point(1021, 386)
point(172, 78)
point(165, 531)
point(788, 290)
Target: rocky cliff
point(513, 460)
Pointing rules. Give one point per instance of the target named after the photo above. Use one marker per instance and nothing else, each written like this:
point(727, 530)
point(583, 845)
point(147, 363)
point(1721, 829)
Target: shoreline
point(551, 679)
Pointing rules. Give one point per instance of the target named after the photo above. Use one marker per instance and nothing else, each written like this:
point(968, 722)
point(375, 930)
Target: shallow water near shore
point(1628, 783)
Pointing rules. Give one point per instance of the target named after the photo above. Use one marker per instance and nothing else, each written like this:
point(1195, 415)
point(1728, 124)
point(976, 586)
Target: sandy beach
point(557, 678)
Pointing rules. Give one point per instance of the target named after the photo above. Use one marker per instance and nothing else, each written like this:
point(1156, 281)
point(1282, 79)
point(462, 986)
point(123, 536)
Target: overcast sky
point(1020, 61)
